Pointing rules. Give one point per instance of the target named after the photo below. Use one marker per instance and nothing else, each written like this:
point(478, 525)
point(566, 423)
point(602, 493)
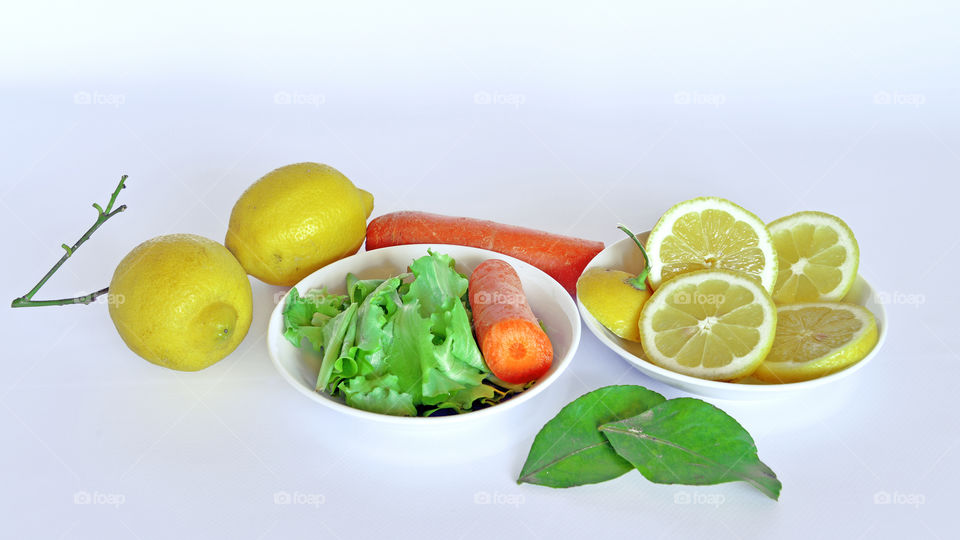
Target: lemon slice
point(707, 233)
point(818, 258)
point(712, 324)
point(816, 339)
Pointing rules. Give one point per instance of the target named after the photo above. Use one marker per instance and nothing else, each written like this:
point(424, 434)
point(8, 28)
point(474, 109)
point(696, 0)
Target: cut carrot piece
point(514, 346)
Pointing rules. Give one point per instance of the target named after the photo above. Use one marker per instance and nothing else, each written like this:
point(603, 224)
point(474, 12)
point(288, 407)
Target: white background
point(567, 118)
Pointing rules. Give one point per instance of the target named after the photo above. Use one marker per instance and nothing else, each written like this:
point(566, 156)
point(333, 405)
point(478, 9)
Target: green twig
point(103, 214)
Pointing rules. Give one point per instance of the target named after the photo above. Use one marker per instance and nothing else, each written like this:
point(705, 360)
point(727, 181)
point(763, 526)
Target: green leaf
point(454, 363)
point(303, 316)
point(295, 314)
point(359, 289)
point(378, 394)
point(436, 282)
point(407, 339)
point(372, 317)
point(333, 337)
point(383, 400)
point(571, 451)
point(452, 366)
point(689, 441)
point(314, 335)
point(465, 399)
point(451, 329)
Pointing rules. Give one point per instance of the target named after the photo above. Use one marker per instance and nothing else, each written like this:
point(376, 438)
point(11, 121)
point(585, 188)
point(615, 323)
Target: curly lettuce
point(398, 346)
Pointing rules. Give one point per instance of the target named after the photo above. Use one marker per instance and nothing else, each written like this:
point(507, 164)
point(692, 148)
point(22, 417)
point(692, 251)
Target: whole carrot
point(515, 347)
point(562, 257)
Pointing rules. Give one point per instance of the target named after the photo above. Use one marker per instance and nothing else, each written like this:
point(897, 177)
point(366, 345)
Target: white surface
point(568, 118)
point(550, 302)
point(624, 255)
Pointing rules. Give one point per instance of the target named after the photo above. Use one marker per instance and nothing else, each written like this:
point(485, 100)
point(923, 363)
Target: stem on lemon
point(640, 281)
point(103, 214)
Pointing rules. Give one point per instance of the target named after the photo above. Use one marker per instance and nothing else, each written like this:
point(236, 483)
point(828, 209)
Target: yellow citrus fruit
point(818, 258)
point(818, 338)
point(612, 300)
point(181, 301)
point(296, 219)
point(711, 324)
point(711, 233)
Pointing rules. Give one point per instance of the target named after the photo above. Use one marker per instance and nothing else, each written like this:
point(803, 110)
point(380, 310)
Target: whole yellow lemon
point(181, 301)
point(296, 219)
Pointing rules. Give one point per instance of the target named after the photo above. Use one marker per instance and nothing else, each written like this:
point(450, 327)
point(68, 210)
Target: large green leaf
point(571, 451)
point(689, 441)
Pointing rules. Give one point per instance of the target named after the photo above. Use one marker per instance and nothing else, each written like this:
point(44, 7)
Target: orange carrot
point(562, 257)
point(514, 346)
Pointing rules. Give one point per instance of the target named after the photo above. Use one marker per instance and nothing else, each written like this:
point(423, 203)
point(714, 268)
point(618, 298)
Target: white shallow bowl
point(548, 299)
point(624, 255)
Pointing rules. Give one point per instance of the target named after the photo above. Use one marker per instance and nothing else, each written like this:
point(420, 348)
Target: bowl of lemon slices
point(715, 302)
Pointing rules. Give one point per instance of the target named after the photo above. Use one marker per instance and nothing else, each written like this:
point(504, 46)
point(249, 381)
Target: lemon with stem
point(615, 297)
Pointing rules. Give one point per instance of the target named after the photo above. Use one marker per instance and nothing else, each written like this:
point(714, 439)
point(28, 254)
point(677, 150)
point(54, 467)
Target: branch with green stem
point(640, 281)
point(103, 214)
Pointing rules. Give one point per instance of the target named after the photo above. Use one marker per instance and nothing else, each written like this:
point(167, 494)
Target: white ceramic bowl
point(624, 255)
point(548, 299)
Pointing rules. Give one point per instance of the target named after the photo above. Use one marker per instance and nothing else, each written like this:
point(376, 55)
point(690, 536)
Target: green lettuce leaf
point(406, 341)
point(364, 355)
point(452, 367)
point(359, 289)
point(435, 282)
point(304, 317)
point(379, 394)
point(334, 334)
